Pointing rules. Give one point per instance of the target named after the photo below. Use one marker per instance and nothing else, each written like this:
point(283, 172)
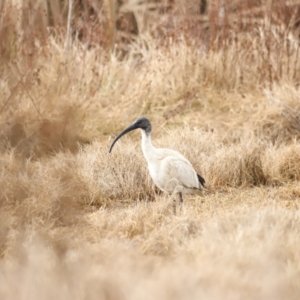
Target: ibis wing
point(180, 170)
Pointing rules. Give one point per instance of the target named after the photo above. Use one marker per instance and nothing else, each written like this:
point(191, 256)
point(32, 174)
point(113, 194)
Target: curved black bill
point(128, 129)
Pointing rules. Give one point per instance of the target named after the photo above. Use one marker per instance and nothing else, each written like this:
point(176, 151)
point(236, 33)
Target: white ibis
point(170, 170)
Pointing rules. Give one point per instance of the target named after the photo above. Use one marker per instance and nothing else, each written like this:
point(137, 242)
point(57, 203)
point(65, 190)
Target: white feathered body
point(170, 170)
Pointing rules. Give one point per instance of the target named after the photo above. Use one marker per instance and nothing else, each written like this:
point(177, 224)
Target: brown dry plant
point(221, 87)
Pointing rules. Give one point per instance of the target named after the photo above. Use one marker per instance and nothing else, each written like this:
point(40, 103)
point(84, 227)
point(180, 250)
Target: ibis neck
point(147, 146)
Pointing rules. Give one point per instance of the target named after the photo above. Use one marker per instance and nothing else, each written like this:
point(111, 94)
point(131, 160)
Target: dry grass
point(79, 223)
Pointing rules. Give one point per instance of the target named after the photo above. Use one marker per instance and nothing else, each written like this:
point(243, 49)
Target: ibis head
point(142, 123)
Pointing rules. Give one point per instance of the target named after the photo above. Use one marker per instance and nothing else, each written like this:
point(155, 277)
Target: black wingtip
point(201, 180)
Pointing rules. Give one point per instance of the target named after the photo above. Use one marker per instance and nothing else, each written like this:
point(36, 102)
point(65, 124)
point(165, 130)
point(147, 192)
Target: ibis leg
point(174, 206)
point(180, 200)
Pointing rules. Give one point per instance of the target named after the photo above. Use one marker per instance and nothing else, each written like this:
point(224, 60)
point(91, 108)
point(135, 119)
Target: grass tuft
point(219, 82)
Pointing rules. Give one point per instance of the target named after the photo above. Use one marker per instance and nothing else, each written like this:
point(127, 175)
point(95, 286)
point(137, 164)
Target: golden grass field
point(79, 223)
